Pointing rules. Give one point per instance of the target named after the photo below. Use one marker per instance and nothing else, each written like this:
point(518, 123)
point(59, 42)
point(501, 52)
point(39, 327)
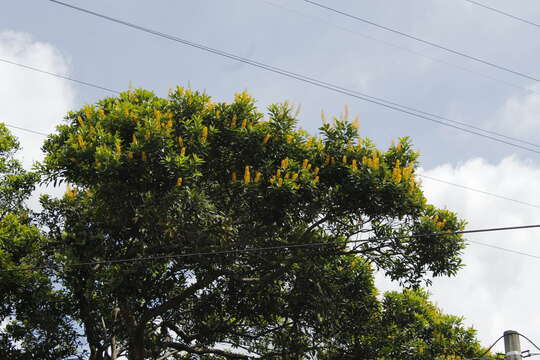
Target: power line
point(503, 13)
point(26, 130)
point(282, 247)
point(487, 350)
point(85, 83)
point(479, 191)
point(403, 48)
point(517, 252)
point(329, 86)
point(529, 340)
point(427, 42)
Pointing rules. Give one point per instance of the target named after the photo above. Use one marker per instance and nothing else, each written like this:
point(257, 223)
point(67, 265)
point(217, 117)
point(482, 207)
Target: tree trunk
point(136, 344)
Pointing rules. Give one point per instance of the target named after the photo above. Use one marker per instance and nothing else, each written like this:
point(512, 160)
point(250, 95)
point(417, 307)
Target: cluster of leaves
point(160, 180)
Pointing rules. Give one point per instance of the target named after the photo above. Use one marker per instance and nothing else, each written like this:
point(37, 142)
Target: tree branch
point(200, 350)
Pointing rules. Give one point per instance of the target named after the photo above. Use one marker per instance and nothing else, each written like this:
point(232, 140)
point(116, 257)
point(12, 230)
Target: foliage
point(170, 182)
point(32, 317)
point(413, 328)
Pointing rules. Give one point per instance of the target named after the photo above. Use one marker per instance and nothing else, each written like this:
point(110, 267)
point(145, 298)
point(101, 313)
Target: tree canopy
point(195, 228)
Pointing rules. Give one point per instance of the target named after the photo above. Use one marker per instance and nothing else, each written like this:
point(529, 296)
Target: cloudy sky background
point(497, 290)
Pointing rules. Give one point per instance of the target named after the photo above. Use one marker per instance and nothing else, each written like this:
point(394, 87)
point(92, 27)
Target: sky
point(496, 290)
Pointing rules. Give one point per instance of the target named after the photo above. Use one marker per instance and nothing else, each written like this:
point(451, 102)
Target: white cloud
point(30, 99)
point(520, 114)
point(496, 291)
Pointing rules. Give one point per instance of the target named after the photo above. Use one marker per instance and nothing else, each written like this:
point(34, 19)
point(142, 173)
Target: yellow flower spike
point(183, 151)
point(376, 163)
point(344, 159)
point(233, 177)
point(315, 180)
point(88, 111)
point(305, 163)
point(398, 147)
point(204, 134)
point(272, 180)
point(169, 124)
point(353, 165)
point(369, 163)
point(147, 134)
point(101, 113)
point(308, 166)
point(134, 139)
point(289, 139)
point(266, 138)
point(180, 141)
point(280, 181)
point(294, 177)
point(179, 181)
point(143, 156)
point(244, 123)
point(118, 148)
point(130, 154)
point(278, 173)
point(80, 120)
point(247, 175)
point(309, 142)
point(80, 140)
point(316, 171)
point(356, 123)
point(233, 122)
point(258, 176)
point(287, 175)
point(157, 115)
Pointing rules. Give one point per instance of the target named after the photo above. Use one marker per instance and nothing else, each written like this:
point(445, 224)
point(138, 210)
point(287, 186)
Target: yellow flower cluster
point(204, 134)
point(408, 173)
point(266, 138)
point(396, 172)
point(372, 162)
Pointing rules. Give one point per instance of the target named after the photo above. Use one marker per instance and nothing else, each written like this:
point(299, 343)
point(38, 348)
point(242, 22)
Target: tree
point(32, 316)
point(193, 228)
point(413, 328)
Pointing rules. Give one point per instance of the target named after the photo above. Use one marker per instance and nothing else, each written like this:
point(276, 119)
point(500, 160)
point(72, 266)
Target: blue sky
point(302, 38)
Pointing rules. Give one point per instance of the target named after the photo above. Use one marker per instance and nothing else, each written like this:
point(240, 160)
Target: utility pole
point(512, 347)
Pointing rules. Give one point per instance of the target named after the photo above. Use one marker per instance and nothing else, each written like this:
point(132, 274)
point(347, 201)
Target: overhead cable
point(283, 247)
point(329, 86)
point(403, 48)
point(503, 13)
point(529, 340)
point(427, 42)
point(479, 191)
point(85, 83)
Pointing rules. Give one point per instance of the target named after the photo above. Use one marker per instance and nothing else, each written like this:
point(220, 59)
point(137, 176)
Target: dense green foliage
point(33, 317)
point(171, 181)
